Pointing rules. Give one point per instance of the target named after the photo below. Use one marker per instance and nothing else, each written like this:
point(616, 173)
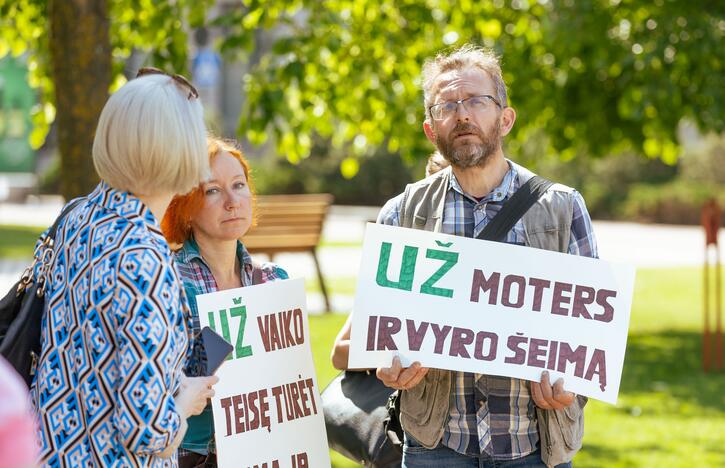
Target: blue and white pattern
point(115, 338)
point(489, 414)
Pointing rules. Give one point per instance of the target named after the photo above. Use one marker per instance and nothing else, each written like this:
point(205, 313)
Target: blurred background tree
point(333, 87)
point(76, 51)
point(598, 76)
point(597, 84)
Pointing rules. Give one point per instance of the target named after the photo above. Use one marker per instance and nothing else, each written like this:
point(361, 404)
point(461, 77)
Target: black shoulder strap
point(515, 208)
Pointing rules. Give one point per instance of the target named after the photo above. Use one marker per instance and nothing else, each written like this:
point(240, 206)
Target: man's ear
point(508, 118)
point(428, 129)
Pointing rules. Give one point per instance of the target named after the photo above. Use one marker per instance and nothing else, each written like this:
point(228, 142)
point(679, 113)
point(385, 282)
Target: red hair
point(176, 224)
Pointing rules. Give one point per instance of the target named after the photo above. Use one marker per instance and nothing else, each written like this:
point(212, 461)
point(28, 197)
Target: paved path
point(643, 245)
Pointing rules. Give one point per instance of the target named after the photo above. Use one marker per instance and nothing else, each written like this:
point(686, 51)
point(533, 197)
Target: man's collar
point(503, 191)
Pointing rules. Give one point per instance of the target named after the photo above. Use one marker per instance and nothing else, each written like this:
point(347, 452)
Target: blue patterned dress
point(115, 338)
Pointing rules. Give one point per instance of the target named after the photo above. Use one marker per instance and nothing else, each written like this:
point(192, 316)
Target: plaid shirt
point(198, 279)
point(491, 414)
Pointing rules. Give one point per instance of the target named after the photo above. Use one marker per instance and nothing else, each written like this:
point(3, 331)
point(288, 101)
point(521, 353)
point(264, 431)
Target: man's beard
point(470, 154)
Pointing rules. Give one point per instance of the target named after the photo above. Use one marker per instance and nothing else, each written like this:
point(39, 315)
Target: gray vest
point(547, 225)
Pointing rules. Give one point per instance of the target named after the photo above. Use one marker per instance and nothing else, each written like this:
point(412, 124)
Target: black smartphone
point(217, 349)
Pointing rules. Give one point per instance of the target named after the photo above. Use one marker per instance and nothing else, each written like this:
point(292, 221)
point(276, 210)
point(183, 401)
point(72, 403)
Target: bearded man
point(461, 419)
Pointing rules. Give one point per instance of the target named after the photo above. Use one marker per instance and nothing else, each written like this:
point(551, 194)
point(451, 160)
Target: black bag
point(362, 415)
point(357, 420)
point(21, 310)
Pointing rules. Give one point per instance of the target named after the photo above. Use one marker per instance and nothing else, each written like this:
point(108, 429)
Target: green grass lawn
point(670, 413)
point(18, 241)
point(323, 330)
point(335, 285)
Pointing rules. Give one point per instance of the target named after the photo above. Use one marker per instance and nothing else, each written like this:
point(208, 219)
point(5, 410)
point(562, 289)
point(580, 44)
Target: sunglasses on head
point(193, 93)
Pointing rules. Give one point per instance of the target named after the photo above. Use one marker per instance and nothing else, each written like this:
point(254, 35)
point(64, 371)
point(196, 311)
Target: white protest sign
point(267, 407)
point(491, 308)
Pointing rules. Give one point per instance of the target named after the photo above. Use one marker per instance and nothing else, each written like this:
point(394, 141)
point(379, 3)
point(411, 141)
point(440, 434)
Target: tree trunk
point(80, 51)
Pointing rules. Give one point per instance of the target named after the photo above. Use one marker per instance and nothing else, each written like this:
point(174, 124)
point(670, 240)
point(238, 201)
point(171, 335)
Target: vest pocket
point(418, 404)
point(550, 239)
point(571, 424)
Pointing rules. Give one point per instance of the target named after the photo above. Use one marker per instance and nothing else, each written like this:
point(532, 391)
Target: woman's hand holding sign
point(547, 396)
point(399, 377)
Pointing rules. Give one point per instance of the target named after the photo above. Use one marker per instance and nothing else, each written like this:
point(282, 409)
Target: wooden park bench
point(290, 223)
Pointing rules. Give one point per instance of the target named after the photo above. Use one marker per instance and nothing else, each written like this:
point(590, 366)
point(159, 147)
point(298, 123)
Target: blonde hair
point(151, 138)
point(467, 56)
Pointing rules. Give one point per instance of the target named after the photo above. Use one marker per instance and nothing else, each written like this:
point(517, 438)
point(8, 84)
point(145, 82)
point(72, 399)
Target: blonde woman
point(109, 389)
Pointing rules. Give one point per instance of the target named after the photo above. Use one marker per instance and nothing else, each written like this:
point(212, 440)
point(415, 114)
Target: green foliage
point(597, 75)
point(606, 182)
point(628, 187)
point(677, 202)
point(377, 177)
point(154, 27)
point(23, 31)
point(706, 162)
point(157, 28)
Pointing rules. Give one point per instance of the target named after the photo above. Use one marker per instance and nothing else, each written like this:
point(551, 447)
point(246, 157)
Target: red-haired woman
point(208, 223)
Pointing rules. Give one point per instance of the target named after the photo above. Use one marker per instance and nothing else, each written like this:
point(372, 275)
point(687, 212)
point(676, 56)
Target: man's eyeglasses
point(193, 93)
point(472, 104)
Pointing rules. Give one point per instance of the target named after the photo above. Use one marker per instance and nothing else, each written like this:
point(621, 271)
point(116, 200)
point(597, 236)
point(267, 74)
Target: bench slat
point(281, 242)
point(290, 223)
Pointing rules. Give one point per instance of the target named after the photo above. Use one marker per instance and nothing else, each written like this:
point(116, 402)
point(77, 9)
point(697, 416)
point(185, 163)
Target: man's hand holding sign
point(401, 378)
point(544, 394)
point(547, 396)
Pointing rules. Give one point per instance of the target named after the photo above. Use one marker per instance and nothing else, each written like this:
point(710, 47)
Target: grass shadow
point(670, 362)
